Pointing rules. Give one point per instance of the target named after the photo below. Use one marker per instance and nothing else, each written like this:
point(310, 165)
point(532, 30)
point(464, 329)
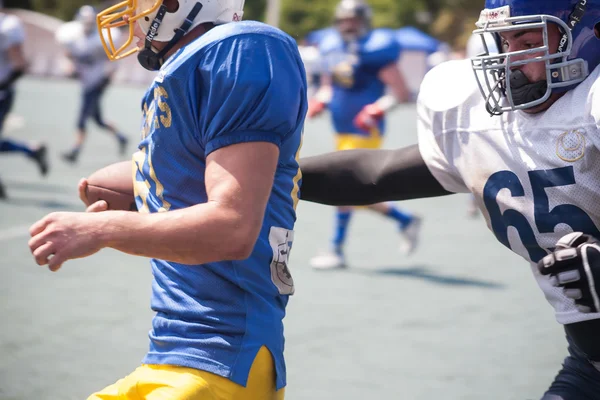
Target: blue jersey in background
point(354, 69)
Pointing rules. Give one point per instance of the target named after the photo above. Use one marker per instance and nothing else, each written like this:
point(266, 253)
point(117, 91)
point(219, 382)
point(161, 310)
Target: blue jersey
point(239, 82)
point(354, 69)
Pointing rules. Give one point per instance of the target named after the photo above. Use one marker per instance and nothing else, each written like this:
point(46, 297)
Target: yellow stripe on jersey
point(298, 176)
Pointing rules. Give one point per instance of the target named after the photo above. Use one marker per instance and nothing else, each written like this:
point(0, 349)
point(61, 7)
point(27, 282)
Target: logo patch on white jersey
point(570, 145)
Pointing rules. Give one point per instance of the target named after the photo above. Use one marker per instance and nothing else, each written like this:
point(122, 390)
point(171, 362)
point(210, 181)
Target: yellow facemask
point(117, 16)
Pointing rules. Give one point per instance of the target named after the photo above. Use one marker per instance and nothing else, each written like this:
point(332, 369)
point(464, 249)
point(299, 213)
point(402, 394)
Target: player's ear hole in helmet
point(500, 76)
point(161, 21)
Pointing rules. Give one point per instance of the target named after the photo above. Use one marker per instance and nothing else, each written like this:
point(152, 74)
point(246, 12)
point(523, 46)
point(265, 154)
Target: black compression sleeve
point(586, 336)
point(361, 177)
point(15, 74)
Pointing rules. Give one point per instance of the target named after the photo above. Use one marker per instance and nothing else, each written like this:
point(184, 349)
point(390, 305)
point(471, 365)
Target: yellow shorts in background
point(348, 141)
point(169, 382)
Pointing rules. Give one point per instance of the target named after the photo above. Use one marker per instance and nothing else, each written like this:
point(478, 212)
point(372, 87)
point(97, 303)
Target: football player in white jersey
point(12, 67)
point(533, 165)
point(94, 71)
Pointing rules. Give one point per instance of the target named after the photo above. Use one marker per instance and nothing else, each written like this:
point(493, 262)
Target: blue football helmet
point(503, 86)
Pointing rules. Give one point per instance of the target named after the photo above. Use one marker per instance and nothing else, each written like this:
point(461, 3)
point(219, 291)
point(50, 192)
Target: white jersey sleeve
point(437, 111)
point(12, 32)
point(594, 102)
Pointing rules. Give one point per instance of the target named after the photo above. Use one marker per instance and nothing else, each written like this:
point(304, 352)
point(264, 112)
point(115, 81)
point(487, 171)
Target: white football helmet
point(161, 26)
point(86, 16)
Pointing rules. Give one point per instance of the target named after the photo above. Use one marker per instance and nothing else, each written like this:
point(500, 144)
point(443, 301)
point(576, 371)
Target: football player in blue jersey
point(85, 51)
point(12, 67)
point(360, 63)
point(216, 181)
point(520, 130)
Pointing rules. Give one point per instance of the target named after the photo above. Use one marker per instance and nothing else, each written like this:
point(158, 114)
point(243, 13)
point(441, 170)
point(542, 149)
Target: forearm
point(397, 89)
point(389, 101)
point(361, 177)
point(324, 94)
point(203, 233)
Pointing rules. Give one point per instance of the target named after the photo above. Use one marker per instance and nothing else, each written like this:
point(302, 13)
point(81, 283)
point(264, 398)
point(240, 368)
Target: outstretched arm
point(361, 177)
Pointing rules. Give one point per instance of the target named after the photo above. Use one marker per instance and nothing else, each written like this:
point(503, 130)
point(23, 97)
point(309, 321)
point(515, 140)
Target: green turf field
point(461, 319)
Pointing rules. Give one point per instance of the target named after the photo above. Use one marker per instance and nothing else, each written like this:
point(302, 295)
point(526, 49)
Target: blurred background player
point(89, 63)
point(359, 63)
point(12, 67)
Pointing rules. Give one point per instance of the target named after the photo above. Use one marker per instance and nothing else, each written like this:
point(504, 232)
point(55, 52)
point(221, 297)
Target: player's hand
point(315, 107)
point(91, 207)
point(368, 117)
point(574, 266)
point(82, 188)
point(63, 236)
point(98, 206)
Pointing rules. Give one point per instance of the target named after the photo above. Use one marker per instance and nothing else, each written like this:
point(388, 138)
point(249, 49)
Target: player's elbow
point(244, 240)
point(239, 237)
point(242, 251)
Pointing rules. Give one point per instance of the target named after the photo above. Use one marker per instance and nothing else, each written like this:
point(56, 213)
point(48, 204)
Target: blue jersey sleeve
point(381, 49)
point(254, 89)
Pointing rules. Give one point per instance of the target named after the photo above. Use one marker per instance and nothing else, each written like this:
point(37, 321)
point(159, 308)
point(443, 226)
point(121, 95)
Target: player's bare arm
point(394, 80)
point(371, 114)
point(322, 97)
point(238, 183)
point(361, 177)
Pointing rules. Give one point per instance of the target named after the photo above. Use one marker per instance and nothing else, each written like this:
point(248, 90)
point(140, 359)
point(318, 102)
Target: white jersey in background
point(11, 33)
point(87, 53)
point(475, 45)
point(535, 177)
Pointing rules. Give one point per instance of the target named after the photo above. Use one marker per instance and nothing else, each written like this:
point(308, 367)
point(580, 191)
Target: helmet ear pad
point(172, 5)
point(149, 59)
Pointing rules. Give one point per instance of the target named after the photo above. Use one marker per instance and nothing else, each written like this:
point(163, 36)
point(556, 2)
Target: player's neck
point(188, 38)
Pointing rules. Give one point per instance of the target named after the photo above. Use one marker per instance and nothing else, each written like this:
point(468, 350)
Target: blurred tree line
point(448, 20)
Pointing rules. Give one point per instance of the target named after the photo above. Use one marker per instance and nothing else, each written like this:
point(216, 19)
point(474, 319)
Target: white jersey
point(475, 45)
point(534, 177)
point(88, 54)
point(11, 33)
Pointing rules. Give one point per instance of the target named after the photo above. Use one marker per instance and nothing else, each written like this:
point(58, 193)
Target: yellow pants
point(168, 382)
point(346, 141)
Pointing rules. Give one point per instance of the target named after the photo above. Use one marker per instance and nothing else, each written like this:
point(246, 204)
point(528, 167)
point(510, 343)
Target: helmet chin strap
point(147, 57)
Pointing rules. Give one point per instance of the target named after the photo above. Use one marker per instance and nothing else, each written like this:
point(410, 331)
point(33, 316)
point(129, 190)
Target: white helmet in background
point(86, 16)
point(163, 26)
